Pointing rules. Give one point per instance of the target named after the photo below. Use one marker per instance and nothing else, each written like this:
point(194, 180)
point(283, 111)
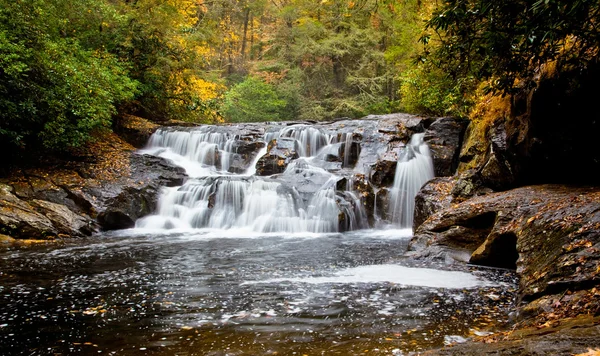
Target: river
point(233, 292)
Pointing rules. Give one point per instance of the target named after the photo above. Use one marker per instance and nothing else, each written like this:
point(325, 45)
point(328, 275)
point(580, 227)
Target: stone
point(444, 137)
point(433, 197)
point(280, 153)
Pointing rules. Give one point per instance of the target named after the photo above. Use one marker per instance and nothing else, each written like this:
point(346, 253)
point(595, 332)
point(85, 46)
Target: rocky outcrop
point(550, 233)
point(107, 187)
point(444, 137)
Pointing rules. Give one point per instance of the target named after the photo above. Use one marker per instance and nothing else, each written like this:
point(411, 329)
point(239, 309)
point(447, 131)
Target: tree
point(254, 100)
point(507, 41)
point(169, 53)
point(57, 82)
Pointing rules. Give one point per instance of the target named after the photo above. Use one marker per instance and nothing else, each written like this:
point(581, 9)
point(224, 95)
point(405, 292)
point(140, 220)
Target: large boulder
point(123, 204)
point(444, 137)
point(433, 197)
point(550, 233)
point(280, 153)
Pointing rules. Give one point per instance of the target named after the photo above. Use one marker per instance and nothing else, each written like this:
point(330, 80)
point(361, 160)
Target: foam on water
point(401, 275)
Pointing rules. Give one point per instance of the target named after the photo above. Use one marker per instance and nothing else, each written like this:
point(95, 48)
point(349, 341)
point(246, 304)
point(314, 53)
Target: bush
point(428, 91)
point(254, 100)
point(53, 92)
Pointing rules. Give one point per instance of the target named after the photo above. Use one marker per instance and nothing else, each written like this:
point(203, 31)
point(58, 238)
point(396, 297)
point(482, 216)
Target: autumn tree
point(507, 41)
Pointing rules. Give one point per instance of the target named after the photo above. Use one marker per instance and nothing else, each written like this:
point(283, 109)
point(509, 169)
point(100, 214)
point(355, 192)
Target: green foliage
point(254, 100)
point(507, 41)
point(427, 90)
point(54, 91)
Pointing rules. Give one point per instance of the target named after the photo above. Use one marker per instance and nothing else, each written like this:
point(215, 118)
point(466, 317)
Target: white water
point(401, 275)
point(415, 168)
point(304, 198)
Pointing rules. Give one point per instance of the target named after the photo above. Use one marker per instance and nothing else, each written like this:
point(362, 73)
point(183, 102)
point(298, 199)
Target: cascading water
point(314, 193)
point(415, 168)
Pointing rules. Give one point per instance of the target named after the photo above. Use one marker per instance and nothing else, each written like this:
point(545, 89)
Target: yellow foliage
point(190, 83)
point(188, 10)
point(488, 110)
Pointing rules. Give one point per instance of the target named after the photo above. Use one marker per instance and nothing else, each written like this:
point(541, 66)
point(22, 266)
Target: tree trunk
point(245, 35)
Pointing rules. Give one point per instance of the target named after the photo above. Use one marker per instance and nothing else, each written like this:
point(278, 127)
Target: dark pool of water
point(205, 293)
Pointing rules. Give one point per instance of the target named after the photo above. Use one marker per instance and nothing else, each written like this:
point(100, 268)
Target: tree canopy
point(508, 41)
point(67, 67)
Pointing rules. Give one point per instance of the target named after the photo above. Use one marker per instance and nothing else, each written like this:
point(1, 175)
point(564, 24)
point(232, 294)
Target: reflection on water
point(204, 294)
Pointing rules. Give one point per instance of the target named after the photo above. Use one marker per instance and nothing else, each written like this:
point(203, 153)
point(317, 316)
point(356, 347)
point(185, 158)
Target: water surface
point(216, 292)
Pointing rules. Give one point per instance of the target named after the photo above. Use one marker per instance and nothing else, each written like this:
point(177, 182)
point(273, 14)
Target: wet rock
point(350, 151)
point(132, 203)
point(280, 153)
point(382, 203)
point(128, 201)
point(550, 232)
point(499, 172)
point(245, 152)
point(444, 137)
point(134, 129)
point(468, 184)
point(433, 197)
point(384, 171)
point(403, 126)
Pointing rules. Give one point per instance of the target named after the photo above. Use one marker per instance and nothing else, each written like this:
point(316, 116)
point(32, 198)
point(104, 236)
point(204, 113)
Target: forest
point(68, 67)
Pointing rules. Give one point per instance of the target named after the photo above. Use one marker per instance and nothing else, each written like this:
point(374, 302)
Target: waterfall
point(301, 199)
point(415, 168)
point(314, 193)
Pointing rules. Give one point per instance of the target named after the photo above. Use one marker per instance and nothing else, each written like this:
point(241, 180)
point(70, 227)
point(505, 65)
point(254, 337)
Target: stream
point(274, 245)
point(216, 292)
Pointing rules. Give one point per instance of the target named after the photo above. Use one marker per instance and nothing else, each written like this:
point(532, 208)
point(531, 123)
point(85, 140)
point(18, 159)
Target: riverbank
point(103, 186)
point(550, 234)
